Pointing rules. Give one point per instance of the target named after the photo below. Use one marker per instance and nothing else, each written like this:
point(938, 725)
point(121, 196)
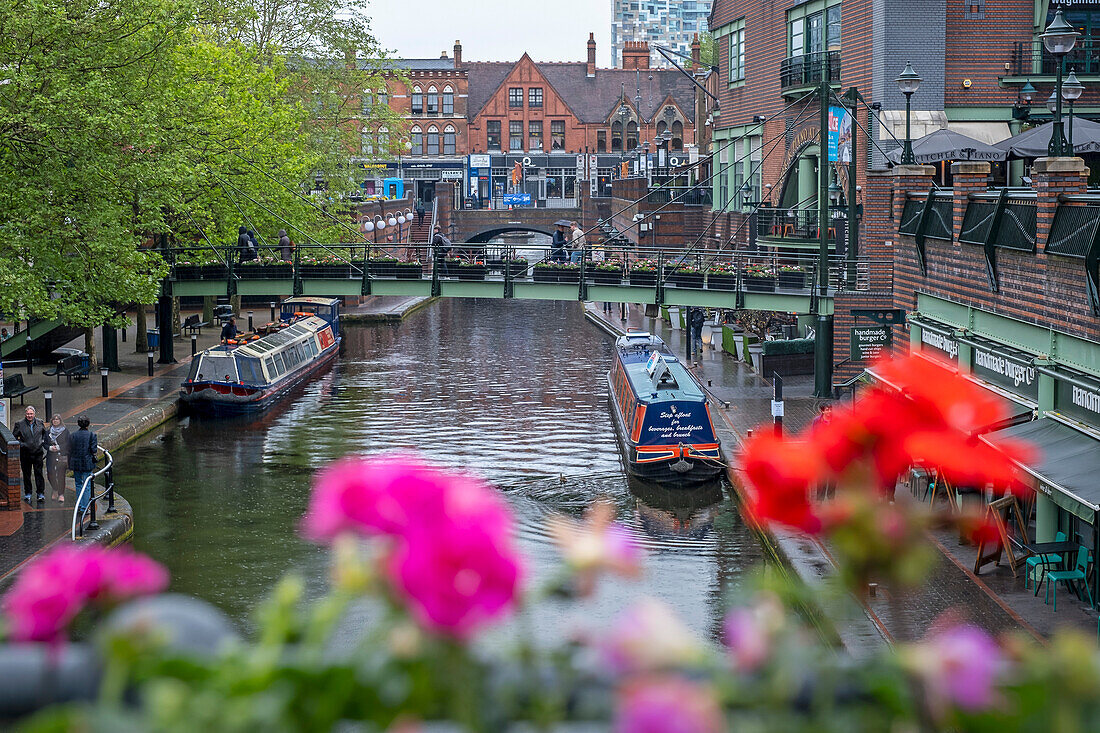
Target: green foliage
point(708, 49)
point(789, 346)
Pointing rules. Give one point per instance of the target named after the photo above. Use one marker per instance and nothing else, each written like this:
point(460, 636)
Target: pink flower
point(959, 666)
point(667, 705)
point(647, 638)
point(455, 576)
point(751, 631)
point(51, 591)
point(596, 545)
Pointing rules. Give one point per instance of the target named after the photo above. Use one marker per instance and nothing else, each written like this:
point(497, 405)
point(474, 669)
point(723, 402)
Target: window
point(417, 101)
point(449, 141)
point(616, 137)
point(492, 134)
point(515, 134)
point(677, 142)
point(974, 10)
point(557, 134)
point(417, 139)
point(534, 135)
point(534, 97)
point(661, 127)
point(433, 101)
point(367, 102)
point(737, 51)
point(601, 141)
point(812, 28)
point(631, 135)
point(383, 98)
point(448, 101)
point(515, 97)
point(433, 141)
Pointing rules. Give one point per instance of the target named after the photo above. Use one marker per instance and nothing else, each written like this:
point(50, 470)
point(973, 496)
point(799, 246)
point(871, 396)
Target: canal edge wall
point(393, 315)
point(852, 625)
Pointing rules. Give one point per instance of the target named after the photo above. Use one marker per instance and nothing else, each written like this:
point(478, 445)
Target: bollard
point(103, 375)
point(109, 477)
point(250, 321)
point(30, 369)
point(124, 335)
point(194, 344)
point(150, 355)
point(272, 312)
point(748, 433)
point(777, 403)
point(93, 525)
point(47, 396)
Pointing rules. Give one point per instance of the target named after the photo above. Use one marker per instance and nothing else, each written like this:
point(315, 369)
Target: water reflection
point(513, 391)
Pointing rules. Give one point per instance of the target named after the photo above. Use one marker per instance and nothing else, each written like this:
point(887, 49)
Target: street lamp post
point(1072, 89)
point(908, 83)
point(1059, 39)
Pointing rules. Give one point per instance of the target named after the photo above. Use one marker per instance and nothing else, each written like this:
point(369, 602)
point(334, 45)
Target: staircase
point(422, 233)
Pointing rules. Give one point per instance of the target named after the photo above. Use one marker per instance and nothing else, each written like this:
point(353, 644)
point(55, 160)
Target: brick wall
point(11, 481)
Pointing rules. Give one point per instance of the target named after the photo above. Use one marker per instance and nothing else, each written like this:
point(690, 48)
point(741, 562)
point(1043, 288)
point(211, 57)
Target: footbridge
point(710, 279)
point(481, 225)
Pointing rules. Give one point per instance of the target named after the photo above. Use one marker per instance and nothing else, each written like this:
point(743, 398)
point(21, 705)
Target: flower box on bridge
point(686, 278)
point(557, 272)
point(792, 277)
point(643, 272)
point(265, 272)
point(325, 271)
point(465, 271)
point(201, 272)
point(609, 272)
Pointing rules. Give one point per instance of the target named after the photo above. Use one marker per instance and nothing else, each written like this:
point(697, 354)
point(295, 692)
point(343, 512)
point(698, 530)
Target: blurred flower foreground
point(429, 557)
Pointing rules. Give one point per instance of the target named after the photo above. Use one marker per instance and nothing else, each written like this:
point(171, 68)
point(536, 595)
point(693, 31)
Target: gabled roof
point(591, 99)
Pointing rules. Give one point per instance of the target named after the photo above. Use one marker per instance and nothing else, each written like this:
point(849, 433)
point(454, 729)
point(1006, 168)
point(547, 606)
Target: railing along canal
point(79, 515)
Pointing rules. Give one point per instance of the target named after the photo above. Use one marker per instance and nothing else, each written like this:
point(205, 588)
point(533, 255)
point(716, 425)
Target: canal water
point(513, 391)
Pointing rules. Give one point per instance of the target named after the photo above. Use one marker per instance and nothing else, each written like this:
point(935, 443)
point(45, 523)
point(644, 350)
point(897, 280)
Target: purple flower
point(648, 638)
point(667, 705)
point(959, 666)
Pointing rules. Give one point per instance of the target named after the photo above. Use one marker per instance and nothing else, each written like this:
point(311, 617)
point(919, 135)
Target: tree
point(708, 49)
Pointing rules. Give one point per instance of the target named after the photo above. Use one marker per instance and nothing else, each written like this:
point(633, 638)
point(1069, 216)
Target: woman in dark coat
point(57, 458)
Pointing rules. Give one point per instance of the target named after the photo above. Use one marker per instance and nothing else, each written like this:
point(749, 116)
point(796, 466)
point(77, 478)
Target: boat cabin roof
point(673, 381)
point(310, 300)
point(300, 330)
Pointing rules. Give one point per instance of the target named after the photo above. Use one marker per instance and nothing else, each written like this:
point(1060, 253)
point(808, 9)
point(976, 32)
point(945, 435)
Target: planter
point(643, 277)
point(187, 272)
point(266, 272)
point(325, 272)
point(674, 318)
point(467, 272)
point(686, 279)
point(604, 277)
point(721, 281)
point(550, 275)
point(407, 271)
point(514, 269)
point(759, 284)
point(383, 269)
point(792, 280)
point(730, 336)
point(786, 365)
point(756, 351)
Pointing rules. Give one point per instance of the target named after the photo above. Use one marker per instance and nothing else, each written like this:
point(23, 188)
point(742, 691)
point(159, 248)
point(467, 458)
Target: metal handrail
point(109, 489)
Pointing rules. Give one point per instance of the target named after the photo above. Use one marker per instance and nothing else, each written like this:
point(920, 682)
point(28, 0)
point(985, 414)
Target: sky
point(494, 30)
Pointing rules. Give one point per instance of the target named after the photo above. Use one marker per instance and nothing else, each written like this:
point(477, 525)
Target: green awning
point(1068, 462)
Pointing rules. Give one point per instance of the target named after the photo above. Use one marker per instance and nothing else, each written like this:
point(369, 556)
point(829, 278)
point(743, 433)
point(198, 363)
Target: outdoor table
point(1045, 549)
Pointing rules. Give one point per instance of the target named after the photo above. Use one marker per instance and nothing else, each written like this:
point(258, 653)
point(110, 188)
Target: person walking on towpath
point(57, 459)
point(83, 445)
point(33, 444)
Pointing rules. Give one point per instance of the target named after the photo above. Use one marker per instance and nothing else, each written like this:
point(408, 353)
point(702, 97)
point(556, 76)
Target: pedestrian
point(33, 444)
point(244, 244)
point(82, 459)
point(286, 248)
point(420, 212)
point(229, 330)
point(825, 489)
point(3, 334)
point(57, 459)
point(253, 246)
point(442, 247)
point(577, 243)
point(697, 318)
point(557, 245)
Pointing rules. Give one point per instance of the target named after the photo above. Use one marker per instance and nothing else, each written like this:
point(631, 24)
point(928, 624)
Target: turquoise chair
point(1065, 576)
point(1036, 560)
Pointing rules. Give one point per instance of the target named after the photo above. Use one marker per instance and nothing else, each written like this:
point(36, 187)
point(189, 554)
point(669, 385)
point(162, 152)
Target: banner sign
point(1014, 373)
point(1073, 400)
point(942, 346)
point(870, 342)
point(480, 160)
point(517, 199)
point(840, 135)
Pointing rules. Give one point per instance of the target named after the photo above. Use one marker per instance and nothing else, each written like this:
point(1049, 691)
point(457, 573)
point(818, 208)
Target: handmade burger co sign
point(1010, 371)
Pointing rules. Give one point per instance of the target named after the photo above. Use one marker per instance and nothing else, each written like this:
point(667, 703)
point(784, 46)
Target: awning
point(1068, 462)
point(948, 144)
point(987, 132)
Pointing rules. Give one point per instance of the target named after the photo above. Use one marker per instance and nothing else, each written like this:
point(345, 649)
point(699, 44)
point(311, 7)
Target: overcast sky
point(495, 30)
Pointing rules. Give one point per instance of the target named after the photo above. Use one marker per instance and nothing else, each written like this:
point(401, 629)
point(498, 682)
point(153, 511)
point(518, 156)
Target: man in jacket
point(82, 458)
point(442, 247)
point(576, 243)
point(33, 442)
point(557, 244)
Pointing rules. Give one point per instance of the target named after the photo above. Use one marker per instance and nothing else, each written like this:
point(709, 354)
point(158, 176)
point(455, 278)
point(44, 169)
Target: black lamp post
point(1022, 109)
point(908, 83)
point(1059, 39)
point(1072, 89)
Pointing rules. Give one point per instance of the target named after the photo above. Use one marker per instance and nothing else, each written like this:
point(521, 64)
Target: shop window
point(492, 134)
point(557, 134)
point(515, 97)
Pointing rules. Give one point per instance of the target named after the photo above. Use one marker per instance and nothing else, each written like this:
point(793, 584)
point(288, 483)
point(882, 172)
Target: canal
point(513, 391)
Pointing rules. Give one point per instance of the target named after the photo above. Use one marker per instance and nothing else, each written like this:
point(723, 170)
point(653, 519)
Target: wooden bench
point(14, 387)
point(194, 324)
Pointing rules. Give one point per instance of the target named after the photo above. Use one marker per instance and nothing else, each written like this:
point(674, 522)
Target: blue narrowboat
point(661, 414)
point(253, 372)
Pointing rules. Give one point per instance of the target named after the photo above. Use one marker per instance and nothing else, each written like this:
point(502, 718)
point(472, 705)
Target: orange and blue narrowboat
point(661, 414)
point(253, 372)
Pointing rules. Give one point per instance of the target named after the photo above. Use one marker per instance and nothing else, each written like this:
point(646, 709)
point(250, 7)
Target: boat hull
point(674, 466)
point(212, 402)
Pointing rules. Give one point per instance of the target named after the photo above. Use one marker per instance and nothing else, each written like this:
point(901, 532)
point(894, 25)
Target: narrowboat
point(254, 371)
point(661, 414)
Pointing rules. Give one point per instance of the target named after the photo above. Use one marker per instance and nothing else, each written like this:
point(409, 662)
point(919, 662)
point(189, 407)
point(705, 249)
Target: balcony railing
point(810, 68)
point(691, 196)
point(796, 223)
point(1030, 58)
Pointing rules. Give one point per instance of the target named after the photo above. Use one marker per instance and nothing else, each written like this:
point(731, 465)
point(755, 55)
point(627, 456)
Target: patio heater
point(1059, 39)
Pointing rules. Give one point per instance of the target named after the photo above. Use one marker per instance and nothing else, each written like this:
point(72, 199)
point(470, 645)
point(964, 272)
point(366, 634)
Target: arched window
point(631, 135)
point(449, 140)
point(383, 141)
point(677, 136)
point(448, 101)
point(367, 101)
point(661, 127)
point(383, 97)
point(616, 137)
point(417, 101)
point(433, 101)
point(433, 140)
point(416, 137)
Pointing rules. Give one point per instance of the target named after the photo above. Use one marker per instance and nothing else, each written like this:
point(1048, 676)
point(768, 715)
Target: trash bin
point(790, 331)
point(152, 337)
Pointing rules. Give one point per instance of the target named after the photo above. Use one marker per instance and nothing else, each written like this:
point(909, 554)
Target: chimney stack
point(636, 55)
point(443, 55)
point(591, 55)
point(696, 49)
point(458, 53)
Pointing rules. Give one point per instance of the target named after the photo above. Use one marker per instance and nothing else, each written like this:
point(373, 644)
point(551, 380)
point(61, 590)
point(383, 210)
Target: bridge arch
point(487, 234)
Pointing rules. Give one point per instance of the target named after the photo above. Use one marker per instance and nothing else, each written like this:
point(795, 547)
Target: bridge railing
point(609, 262)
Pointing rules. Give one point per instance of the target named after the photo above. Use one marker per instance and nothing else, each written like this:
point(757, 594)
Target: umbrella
point(1033, 143)
point(563, 223)
point(949, 145)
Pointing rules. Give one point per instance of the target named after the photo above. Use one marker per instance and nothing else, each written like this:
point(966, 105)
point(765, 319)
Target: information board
point(870, 342)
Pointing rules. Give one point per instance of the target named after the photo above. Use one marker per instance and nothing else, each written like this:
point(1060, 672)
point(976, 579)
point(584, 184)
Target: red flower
point(941, 394)
point(780, 474)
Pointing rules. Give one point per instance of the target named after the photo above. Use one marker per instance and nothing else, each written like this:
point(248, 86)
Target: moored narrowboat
point(661, 414)
point(253, 372)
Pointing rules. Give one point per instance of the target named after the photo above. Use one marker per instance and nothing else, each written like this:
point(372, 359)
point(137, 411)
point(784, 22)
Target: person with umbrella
point(558, 242)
